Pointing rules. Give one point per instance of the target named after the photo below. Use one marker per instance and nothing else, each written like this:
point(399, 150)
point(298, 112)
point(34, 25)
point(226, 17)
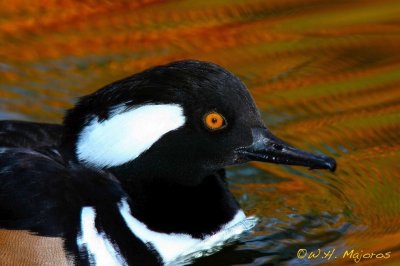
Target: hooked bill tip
point(331, 163)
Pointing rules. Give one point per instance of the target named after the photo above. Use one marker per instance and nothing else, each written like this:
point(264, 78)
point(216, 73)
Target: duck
point(135, 173)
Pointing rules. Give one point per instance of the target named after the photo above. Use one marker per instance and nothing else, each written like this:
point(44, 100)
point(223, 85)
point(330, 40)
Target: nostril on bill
point(277, 147)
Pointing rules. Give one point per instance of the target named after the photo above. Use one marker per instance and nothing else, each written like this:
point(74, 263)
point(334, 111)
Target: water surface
point(325, 74)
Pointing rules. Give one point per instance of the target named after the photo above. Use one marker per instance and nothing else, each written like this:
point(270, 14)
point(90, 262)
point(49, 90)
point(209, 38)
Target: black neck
point(172, 208)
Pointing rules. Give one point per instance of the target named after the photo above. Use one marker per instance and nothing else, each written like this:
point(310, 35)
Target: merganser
point(135, 174)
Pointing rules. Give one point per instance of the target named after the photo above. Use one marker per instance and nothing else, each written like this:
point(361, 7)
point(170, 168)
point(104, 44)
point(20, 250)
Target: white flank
point(126, 135)
point(101, 251)
point(174, 246)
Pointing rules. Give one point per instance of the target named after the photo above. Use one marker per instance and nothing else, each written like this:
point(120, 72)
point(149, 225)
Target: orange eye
point(214, 121)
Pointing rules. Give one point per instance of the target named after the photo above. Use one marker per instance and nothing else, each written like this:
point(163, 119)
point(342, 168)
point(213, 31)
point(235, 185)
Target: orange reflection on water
point(325, 74)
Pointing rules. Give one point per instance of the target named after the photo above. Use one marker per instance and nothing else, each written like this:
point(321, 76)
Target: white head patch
point(127, 134)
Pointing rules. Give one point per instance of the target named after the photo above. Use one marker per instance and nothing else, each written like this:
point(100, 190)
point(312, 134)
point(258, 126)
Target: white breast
point(100, 250)
point(176, 247)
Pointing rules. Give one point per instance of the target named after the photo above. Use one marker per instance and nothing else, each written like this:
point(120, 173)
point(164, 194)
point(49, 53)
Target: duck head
point(182, 121)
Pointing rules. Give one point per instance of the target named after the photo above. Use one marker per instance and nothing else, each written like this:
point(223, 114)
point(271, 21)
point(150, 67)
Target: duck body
point(134, 176)
point(45, 193)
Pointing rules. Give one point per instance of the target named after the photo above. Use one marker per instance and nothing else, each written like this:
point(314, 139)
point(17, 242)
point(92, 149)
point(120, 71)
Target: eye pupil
point(214, 120)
